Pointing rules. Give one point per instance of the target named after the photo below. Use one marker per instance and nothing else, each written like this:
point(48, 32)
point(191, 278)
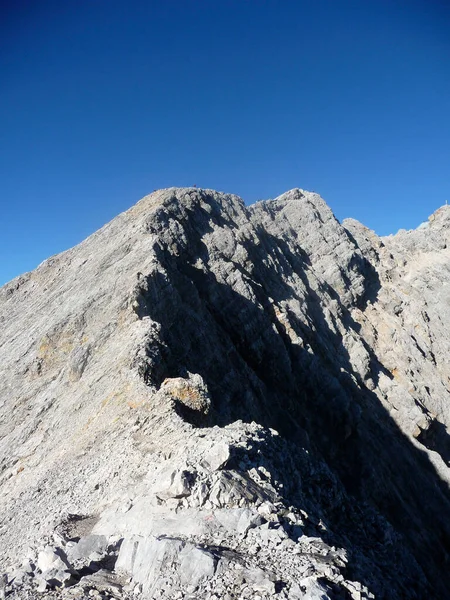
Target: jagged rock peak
point(211, 400)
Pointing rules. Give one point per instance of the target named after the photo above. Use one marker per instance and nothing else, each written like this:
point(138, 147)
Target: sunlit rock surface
point(211, 400)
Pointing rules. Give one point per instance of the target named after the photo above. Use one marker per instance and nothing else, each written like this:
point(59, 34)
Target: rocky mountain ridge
point(211, 400)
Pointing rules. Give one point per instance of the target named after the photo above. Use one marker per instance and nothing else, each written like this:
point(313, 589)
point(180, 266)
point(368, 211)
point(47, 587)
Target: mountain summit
point(207, 400)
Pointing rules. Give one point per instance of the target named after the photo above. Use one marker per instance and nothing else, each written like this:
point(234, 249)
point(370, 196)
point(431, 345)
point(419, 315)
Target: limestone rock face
point(211, 400)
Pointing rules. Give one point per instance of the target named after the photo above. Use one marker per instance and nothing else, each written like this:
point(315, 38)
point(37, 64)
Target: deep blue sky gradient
point(102, 101)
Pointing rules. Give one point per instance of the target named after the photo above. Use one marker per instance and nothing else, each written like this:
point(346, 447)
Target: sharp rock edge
point(209, 400)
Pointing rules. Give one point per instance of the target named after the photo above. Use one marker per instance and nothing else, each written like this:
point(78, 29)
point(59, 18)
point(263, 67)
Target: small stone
point(51, 558)
point(42, 585)
point(217, 456)
point(173, 483)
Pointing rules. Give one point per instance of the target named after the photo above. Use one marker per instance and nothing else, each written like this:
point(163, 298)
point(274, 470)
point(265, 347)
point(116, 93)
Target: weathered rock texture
point(208, 400)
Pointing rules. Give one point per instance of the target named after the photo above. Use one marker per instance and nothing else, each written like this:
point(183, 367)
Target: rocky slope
point(208, 400)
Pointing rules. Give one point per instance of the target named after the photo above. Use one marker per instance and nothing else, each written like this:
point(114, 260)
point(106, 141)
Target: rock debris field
point(208, 400)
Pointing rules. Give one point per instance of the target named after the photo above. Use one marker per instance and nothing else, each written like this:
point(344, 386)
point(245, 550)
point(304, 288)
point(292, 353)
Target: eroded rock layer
point(209, 400)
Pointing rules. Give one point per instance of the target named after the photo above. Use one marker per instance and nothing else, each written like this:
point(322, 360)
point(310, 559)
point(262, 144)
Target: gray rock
point(259, 580)
point(78, 361)
point(247, 520)
point(54, 578)
point(234, 489)
point(149, 560)
point(238, 520)
point(90, 547)
point(173, 483)
point(217, 456)
point(196, 565)
point(146, 372)
point(104, 581)
point(51, 558)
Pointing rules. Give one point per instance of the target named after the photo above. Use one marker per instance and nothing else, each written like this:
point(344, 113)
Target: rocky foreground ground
point(207, 400)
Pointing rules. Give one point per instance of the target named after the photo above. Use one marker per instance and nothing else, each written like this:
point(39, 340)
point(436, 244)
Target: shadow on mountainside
point(257, 370)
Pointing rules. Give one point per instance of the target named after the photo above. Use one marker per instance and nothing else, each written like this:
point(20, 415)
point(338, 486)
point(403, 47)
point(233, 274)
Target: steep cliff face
point(249, 401)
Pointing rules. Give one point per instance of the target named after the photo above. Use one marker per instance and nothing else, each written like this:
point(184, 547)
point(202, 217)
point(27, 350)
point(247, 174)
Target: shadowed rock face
point(145, 371)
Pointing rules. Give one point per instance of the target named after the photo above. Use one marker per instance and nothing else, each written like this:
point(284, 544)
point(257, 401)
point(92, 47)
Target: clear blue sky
point(102, 101)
